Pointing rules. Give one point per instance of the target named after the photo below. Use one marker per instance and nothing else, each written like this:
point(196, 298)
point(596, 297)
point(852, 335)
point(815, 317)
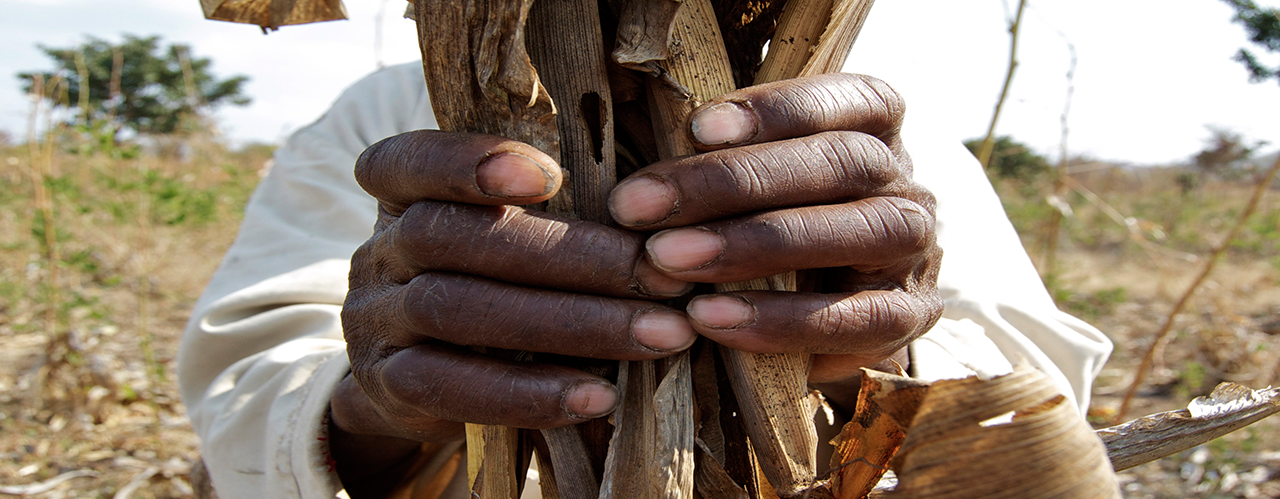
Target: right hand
point(454, 263)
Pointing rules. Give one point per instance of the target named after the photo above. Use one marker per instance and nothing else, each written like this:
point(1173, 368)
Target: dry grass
point(138, 238)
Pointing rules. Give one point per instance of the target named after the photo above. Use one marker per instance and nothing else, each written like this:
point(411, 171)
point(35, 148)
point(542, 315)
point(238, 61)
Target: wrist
point(369, 460)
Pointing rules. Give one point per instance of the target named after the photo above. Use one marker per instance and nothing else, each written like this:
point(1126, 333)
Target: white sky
point(1151, 74)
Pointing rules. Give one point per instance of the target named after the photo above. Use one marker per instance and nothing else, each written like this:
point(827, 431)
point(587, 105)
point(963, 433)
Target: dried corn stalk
point(1011, 436)
point(1229, 408)
point(481, 80)
point(680, 44)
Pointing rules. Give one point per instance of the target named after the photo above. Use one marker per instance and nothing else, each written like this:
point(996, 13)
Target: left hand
point(803, 174)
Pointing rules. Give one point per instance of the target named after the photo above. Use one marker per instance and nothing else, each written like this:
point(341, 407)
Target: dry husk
point(272, 14)
point(1011, 436)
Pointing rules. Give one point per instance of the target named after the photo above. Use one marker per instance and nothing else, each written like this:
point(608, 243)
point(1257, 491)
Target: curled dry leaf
point(632, 447)
point(651, 453)
point(886, 405)
point(674, 450)
point(272, 14)
point(1010, 436)
point(1229, 408)
point(643, 30)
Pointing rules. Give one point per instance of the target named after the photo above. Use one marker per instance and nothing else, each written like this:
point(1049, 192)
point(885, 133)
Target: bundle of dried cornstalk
point(603, 88)
point(480, 58)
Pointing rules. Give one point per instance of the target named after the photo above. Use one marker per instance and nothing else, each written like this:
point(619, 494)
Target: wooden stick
point(566, 45)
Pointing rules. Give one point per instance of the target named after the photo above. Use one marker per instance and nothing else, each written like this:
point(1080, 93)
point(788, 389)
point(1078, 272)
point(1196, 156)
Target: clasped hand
point(798, 175)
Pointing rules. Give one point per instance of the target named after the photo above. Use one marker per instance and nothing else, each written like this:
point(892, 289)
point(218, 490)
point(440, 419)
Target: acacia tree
point(1263, 26)
point(1011, 159)
point(137, 84)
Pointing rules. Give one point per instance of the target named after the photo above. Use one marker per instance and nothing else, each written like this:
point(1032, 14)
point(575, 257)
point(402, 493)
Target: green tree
point(1012, 159)
point(137, 84)
point(1263, 26)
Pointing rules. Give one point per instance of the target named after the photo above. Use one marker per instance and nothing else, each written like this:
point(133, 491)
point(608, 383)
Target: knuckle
point(745, 169)
point(933, 306)
point(895, 318)
point(368, 164)
point(424, 231)
point(918, 223)
point(379, 166)
point(882, 99)
point(903, 226)
point(859, 159)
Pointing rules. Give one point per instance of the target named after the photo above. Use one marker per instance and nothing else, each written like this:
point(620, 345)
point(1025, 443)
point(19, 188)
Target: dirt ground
point(1227, 333)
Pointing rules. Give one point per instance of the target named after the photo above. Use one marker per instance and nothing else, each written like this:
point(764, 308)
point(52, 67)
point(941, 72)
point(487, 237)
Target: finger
point(454, 384)
point(818, 169)
point(460, 167)
point(354, 412)
point(525, 247)
point(869, 324)
point(877, 234)
point(799, 107)
point(465, 310)
point(835, 375)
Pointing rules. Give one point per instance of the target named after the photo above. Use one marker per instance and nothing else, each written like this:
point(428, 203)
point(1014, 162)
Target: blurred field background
point(105, 248)
point(107, 239)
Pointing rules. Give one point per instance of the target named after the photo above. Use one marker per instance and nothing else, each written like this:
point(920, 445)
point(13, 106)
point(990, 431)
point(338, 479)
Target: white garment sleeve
point(263, 349)
point(997, 309)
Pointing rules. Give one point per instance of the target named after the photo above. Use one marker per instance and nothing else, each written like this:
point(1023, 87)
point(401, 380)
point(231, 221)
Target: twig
point(1140, 374)
point(41, 169)
point(1119, 218)
point(45, 486)
point(135, 483)
point(1060, 173)
point(989, 144)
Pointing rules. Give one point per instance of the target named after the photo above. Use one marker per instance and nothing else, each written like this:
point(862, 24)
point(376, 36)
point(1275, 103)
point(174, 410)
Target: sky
point(1150, 76)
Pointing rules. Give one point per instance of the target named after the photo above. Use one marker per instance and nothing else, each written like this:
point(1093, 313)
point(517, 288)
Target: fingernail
point(512, 174)
point(590, 400)
point(642, 201)
point(724, 123)
point(678, 250)
point(721, 311)
point(662, 330)
point(655, 283)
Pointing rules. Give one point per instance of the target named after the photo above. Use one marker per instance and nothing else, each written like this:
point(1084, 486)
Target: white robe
point(263, 349)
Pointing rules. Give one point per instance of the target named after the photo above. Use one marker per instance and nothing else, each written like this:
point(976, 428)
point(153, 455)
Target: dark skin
point(806, 175)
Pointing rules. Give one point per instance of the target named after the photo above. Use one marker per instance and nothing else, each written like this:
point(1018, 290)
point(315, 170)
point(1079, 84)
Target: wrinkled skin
point(805, 174)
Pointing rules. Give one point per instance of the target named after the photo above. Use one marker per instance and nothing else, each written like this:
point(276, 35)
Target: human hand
point(800, 174)
point(453, 263)
point(805, 174)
